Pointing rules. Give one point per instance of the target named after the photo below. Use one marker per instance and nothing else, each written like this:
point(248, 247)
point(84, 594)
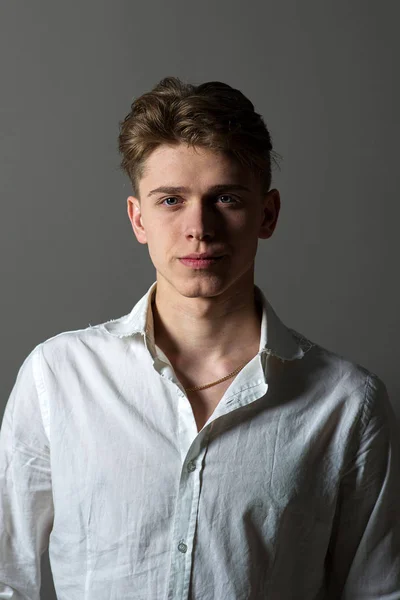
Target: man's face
point(228, 221)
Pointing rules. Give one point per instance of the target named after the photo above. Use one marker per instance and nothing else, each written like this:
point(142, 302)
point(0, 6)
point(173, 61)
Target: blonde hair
point(210, 115)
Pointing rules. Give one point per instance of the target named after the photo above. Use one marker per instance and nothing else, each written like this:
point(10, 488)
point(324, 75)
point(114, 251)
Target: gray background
point(324, 74)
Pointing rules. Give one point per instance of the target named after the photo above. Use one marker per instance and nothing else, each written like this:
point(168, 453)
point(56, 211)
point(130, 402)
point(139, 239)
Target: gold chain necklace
point(202, 387)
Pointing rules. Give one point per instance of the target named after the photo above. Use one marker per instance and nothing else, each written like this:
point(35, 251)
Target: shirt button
point(191, 466)
point(182, 547)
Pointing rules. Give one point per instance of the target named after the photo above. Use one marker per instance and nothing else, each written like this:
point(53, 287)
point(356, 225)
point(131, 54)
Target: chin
point(193, 286)
point(201, 287)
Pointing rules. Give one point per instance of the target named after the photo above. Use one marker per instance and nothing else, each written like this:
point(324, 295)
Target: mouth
point(201, 262)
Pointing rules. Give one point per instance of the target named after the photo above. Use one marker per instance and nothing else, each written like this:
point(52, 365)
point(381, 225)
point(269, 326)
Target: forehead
point(183, 165)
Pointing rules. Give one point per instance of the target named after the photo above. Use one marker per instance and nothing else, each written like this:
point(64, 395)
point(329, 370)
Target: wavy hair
point(211, 115)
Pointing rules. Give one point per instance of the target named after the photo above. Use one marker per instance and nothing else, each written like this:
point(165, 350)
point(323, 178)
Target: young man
point(198, 448)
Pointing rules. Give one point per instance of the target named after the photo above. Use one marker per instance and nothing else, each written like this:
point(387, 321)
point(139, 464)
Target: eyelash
point(220, 196)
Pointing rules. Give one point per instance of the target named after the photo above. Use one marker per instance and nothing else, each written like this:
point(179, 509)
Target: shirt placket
point(193, 448)
point(185, 520)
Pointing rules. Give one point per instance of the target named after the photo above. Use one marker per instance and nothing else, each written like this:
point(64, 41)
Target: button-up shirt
point(289, 491)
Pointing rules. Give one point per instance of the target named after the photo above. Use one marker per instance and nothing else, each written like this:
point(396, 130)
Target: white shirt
point(291, 490)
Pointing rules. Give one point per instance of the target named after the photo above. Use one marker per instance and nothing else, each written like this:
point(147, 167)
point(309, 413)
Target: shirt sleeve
point(363, 560)
point(26, 507)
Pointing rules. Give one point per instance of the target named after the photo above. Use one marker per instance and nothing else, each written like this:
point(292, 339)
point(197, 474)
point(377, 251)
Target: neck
point(211, 328)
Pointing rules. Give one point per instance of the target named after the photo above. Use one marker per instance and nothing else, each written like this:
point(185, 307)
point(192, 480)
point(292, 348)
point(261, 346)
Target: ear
point(135, 217)
point(271, 204)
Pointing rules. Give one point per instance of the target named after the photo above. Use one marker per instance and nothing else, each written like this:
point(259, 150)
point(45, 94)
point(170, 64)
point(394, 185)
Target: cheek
point(244, 225)
point(243, 231)
point(160, 242)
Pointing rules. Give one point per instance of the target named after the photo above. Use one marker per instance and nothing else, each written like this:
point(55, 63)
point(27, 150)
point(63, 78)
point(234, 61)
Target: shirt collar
point(276, 338)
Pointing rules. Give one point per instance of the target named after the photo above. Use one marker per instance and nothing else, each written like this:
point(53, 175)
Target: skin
point(206, 321)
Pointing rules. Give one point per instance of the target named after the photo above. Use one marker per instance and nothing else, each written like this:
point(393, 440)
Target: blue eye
point(226, 196)
point(221, 196)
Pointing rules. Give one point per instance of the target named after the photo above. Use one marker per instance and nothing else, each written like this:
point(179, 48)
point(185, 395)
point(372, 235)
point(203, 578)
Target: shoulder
point(338, 374)
point(93, 339)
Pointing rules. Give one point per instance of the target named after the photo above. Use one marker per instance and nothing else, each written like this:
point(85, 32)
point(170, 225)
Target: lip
point(203, 256)
point(201, 263)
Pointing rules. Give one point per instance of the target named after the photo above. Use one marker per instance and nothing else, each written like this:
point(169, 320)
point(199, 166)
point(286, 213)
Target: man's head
point(198, 138)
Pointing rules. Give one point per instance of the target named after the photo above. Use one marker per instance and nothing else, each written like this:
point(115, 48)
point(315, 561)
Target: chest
point(204, 402)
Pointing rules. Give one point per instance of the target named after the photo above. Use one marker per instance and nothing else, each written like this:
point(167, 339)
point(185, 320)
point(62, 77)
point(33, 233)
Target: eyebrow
point(222, 187)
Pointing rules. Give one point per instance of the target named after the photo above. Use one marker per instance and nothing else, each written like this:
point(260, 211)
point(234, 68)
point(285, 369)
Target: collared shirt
point(291, 490)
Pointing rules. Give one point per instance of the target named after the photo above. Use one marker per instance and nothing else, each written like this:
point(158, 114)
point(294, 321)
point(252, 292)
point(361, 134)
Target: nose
point(201, 222)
